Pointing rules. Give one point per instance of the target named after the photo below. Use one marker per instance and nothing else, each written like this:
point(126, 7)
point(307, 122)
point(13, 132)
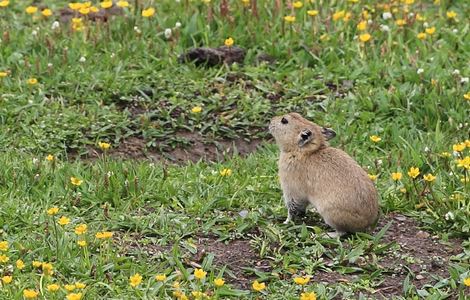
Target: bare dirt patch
point(197, 149)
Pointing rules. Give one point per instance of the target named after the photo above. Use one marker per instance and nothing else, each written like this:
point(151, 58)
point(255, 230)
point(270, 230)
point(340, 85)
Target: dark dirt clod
point(213, 56)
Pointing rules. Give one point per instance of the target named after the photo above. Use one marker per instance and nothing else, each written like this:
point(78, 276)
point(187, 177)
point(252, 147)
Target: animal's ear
point(305, 137)
point(328, 133)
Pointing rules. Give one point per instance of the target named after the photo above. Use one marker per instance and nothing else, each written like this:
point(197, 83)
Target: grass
point(120, 79)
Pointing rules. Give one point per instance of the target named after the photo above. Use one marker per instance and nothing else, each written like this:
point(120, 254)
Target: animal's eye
point(284, 121)
point(305, 134)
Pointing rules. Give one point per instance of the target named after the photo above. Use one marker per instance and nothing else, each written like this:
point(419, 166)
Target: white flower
point(178, 25)
point(34, 33)
point(369, 21)
point(456, 72)
point(168, 33)
point(82, 59)
point(455, 30)
point(35, 160)
point(137, 30)
point(420, 71)
point(55, 25)
point(386, 15)
point(411, 15)
point(426, 24)
point(464, 80)
point(49, 65)
point(112, 55)
point(426, 149)
point(379, 162)
point(384, 28)
point(449, 216)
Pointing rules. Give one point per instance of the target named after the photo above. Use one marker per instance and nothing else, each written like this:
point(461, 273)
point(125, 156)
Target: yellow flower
point(467, 96)
point(80, 285)
point(47, 268)
point(421, 35)
point(30, 294)
point(31, 10)
point(4, 3)
point(74, 296)
point(53, 211)
point(429, 177)
point(308, 296)
point(430, 30)
point(198, 294)
point(289, 19)
point(347, 16)
point(446, 154)
point(375, 138)
point(3, 246)
point(4, 258)
point(466, 281)
point(94, 9)
point(365, 37)
point(7, 279)
point(104, 235)
point(147, 13)
point(104, 146)
point(50, 157)
point(226, 172)
point(199, 274)
point(451, 14)
point(219, 282)
point(372, 177)
point(176, 285)
point(20, 264)
point(464, 163)
point(81, 229)
point(312, 12)
point(229, 42)
point(37, 264)
point(32, 81)
point(135, 280)
point(409, 2)
point(362, 25)
point(420, 17)
point(302, 280)
point(459, 147)
point(397, 176)
point(196, 109)
point(75, 6)
point(338, 15)
point(53, 287)
point(413, 172)
point(77, 24)
point(106, 4)
point(400, 22)
point(3, 74)
point(81, 243)
point(63, 221)
point(403, 190)
point(122, 4)
point(297, 4)
point(75, 181)
point(70, 287)
point(365, 14)
point(258, 286)
point(84, 10)
point(160, 277)
point(46, 12)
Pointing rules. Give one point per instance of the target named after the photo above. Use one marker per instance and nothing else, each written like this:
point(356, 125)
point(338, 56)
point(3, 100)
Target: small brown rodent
point(312, 172)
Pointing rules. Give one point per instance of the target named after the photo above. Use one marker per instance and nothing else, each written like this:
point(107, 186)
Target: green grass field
point(181, 206)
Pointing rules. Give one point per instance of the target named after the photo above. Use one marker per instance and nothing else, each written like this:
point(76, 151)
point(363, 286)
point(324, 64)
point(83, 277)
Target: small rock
point(419, 277)
point(243, 213)
point(422, 234)
point(400, 218)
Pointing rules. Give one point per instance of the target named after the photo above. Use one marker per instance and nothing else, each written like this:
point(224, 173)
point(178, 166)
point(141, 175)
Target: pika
point(312, 172)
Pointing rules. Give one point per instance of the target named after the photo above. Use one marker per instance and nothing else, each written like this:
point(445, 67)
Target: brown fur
point(312, 172)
